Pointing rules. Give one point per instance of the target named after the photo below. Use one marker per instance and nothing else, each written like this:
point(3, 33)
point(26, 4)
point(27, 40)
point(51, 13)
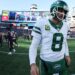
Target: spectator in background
point(26, 32)
point(10, 42)
point(5, 37)
point(15, 37)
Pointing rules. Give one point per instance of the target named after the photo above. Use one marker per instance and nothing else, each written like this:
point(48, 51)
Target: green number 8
point(57, 42)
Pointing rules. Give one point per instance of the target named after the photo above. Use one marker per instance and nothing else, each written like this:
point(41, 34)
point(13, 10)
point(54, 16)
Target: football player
point(10, 43)
point(51, 35)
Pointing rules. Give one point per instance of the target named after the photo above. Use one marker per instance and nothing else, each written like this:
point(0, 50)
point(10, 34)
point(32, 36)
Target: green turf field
point(18, 64)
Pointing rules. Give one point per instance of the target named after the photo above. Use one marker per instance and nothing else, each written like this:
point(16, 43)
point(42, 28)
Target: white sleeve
point(66, 49)
point(66, 44)
point(33, 50)
point(36, 33)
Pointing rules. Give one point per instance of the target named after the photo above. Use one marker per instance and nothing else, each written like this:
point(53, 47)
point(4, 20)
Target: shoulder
point(41, 22)
point(66, 24)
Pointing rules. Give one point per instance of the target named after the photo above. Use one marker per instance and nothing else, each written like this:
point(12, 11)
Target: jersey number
point(57, 42)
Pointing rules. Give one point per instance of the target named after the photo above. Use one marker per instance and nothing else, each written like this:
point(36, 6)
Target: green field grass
point(18, 63)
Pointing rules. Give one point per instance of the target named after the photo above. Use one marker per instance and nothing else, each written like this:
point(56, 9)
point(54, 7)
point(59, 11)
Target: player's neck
point(56, 21)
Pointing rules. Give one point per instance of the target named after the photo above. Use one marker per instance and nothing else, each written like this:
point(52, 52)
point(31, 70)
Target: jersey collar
point(58, 27)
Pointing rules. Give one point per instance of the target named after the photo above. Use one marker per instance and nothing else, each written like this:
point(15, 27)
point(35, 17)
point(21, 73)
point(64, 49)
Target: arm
point(67, 57)
point(36, 33)
point(32, 56)
point(33, 49)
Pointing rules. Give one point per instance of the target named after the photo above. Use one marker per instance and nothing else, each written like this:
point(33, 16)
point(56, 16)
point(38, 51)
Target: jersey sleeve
point(66, 43)
point(33, 50)
point(36, 33)
point(66, 49)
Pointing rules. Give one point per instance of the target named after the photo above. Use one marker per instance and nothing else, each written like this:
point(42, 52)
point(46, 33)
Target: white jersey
point(52, 40)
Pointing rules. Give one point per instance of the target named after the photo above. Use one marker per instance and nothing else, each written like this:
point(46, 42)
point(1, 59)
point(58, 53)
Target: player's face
point(61, 13)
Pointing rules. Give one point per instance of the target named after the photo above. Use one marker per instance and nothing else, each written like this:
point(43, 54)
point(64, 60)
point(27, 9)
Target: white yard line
point(23, 53)
point(14, 53)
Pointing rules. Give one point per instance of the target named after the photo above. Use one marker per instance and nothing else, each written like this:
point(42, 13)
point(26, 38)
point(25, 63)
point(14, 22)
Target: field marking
point(23, 53)
point(14, 53)
point(71, 51)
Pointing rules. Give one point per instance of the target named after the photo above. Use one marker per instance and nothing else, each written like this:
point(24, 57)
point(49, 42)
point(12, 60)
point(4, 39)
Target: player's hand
point(34, 69)
point(68, 60)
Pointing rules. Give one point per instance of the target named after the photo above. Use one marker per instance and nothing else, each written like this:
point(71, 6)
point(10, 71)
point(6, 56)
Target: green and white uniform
point(53, 42)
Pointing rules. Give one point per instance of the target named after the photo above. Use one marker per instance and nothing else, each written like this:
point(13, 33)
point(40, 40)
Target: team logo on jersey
point(47, 27)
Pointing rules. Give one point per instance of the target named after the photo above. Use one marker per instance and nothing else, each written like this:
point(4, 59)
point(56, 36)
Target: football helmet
point(56, 8)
